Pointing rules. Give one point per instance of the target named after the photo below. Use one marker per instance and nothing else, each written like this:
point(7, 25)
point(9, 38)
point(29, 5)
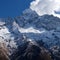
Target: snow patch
point(30, 30)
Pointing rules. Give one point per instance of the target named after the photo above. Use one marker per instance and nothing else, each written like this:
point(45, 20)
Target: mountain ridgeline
point(31, 37)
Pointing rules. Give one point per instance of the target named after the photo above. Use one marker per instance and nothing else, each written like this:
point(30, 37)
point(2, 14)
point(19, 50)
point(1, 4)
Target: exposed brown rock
point(3, 52)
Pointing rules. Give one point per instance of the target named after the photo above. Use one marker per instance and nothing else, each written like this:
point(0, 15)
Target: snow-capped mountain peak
point(32, 26)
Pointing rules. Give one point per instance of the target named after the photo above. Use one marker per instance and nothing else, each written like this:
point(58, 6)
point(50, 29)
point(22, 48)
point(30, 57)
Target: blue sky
point(13, 8)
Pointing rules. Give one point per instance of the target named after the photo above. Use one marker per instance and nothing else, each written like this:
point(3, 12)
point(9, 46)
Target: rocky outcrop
point(30, 51)
point(4, 55)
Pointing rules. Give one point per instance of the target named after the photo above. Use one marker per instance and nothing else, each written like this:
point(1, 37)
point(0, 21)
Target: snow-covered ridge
point(30, 26)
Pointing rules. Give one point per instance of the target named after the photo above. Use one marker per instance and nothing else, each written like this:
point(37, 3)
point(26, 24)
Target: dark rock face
point(55, 52)
point(38, 51)
point(31, 51)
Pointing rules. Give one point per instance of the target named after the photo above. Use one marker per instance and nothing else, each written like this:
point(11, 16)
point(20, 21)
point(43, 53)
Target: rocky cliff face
point(30, 27)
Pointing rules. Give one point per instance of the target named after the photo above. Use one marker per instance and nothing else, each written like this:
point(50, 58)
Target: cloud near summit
point(46, 7)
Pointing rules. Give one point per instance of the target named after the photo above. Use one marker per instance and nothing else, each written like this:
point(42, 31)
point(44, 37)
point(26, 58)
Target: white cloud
point(46, 7)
